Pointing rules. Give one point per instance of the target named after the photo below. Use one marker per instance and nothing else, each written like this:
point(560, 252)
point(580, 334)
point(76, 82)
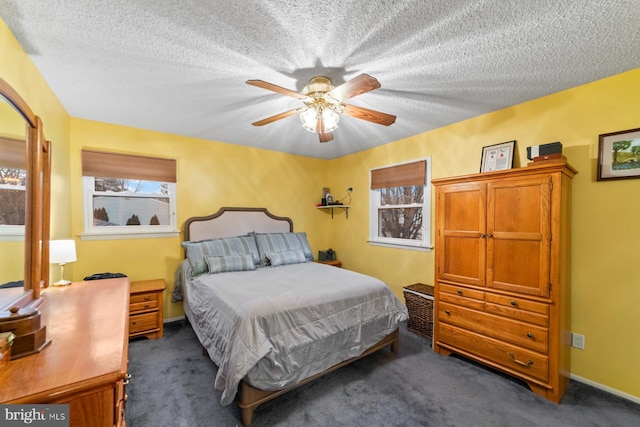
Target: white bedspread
point(276, 326)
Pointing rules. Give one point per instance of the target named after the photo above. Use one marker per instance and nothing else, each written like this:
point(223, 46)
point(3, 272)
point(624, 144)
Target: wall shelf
point(332, 207)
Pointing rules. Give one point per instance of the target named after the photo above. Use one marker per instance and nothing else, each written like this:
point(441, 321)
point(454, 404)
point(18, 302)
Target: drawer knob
point(134, 323)
point(447, 312)
point(459, 291)
point(146, 306)
point(513, 303)
point(147, 298)
point(519, 362)
point(530, 334)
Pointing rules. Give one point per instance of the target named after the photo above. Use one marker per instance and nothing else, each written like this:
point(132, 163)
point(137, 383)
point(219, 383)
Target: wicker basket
point(419, 300)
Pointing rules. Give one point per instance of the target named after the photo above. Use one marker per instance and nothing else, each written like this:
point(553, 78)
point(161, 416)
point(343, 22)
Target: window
point(400, 205)
point(13, 179)
point(128, 196)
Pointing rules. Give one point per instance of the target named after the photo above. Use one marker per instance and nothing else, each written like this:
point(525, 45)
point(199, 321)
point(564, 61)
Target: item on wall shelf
point(328, 255)
point(619, 155)
point(329, 199)
point(325, 191)
point(497, 157)
point(544, 150)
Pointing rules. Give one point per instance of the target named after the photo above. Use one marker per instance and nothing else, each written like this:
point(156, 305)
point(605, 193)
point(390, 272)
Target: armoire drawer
point(522, 334)
point(518, 308)
point(461, 296)
point(508, 356)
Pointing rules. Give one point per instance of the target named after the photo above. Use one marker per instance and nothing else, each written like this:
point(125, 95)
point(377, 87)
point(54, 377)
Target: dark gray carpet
point(172, 385)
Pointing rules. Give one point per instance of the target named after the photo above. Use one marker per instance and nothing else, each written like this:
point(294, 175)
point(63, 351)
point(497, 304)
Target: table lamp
point(62, 252)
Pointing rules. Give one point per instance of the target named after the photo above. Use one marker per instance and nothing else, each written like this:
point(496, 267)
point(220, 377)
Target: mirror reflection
point(12, 201)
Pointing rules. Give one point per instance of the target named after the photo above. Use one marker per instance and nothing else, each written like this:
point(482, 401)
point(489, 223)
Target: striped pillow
point(282, 242)
point(287, 257)
point(221, 264)
point(225, 246)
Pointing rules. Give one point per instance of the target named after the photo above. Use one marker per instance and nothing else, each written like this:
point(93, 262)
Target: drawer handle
point(459, 292)
point(518, 362)
point(513, 303)
point(447, 312)
point(146, 306)
point(530, 335)
point(134, 323)
point(147, 298)
point(127, 378)
point(482, 235)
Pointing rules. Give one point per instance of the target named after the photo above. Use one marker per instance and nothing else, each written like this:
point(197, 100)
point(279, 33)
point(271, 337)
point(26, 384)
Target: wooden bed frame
point(236, 221)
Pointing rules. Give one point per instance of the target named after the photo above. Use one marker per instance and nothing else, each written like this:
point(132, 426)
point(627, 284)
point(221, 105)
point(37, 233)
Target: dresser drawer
point(143, 322)
point(518, 308)
point(522, 334)
point(509, 357)
point(145, 301)
point(461, 296)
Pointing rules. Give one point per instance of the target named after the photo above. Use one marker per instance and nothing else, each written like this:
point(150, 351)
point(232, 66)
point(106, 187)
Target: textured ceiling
point(180, 66)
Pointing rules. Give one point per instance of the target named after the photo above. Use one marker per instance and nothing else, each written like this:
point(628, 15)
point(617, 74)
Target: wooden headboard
point(228, 222)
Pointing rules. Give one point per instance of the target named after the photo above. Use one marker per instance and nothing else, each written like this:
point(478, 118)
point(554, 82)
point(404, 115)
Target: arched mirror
point(24, 202)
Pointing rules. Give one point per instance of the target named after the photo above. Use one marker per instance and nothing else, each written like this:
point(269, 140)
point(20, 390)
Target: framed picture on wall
point(619, 155)
point(497, 157)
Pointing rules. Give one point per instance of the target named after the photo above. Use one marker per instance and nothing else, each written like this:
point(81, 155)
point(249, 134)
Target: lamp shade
point(62, 251)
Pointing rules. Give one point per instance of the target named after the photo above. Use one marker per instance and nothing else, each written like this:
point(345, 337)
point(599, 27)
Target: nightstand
point(145, 308)
point(333, 262)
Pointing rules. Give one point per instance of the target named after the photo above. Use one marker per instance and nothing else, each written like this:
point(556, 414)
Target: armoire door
point(461, 233)
point(519, 235)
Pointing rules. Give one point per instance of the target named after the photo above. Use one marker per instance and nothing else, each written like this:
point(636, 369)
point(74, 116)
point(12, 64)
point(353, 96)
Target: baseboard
point(173, 319)
point(613, 391)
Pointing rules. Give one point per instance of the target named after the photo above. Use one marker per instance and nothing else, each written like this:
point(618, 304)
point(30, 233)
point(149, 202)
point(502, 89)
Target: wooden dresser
point(85, 365)
point(145, 308)
point(502, 275)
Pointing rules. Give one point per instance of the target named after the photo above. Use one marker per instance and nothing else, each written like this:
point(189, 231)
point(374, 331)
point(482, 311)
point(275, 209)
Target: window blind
point(13, 153)
point(399, 176)
point(127, 166)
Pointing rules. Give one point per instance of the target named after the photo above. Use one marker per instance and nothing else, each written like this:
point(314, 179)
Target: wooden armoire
point(503, 274)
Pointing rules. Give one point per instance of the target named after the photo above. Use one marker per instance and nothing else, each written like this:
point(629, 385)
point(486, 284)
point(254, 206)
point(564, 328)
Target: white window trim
point(374, 204)
point(124, 232)
point(11, 233)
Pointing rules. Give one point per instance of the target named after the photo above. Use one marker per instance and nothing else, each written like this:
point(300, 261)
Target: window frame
point(375, 206)
point(117, 165)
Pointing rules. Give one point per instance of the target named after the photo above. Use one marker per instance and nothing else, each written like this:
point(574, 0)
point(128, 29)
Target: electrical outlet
point(577, 341)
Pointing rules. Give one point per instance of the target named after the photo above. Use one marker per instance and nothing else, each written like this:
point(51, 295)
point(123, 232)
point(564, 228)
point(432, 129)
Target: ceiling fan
point(323, 104)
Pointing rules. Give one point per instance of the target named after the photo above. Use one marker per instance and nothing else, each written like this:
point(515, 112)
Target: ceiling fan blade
point(275, 88)
point(326, 137)
point(369, 115)
point(276, 117)
point(356, 86)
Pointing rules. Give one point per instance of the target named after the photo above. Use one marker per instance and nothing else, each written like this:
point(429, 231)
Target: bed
point(269, 317)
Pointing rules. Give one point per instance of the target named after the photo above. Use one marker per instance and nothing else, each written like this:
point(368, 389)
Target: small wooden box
point(419, 301)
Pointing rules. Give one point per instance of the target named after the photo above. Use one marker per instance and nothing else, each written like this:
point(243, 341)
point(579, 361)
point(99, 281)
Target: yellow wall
point(605, 214)
point(210, 175)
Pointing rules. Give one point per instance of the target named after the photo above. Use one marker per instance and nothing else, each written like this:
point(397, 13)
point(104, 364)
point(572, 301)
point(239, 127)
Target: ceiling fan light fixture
point(309, 119)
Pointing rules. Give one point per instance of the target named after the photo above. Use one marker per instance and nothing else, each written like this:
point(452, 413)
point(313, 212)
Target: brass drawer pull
point(127, 378)
point(459, 292)
point(147, 298)
point(447, 312)
point(525, 364)
point(530, 335)
point(513, 303)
